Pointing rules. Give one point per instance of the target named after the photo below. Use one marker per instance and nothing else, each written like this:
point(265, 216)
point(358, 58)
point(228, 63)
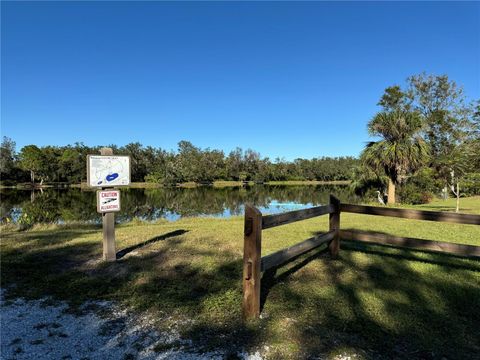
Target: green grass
point(469, 205)
point(378, 302)
point(192, 184)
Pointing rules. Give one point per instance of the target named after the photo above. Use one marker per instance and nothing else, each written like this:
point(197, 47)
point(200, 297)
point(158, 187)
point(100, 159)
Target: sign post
point(108, 220)
point(105, 172)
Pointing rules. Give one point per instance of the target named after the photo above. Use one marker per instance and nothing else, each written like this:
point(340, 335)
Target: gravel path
point(36, 330)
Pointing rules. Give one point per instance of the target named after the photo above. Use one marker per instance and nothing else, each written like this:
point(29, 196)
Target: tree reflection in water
point(75, 205)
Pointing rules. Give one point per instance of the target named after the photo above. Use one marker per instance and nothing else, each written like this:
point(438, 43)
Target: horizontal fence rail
point(270, 221)
point(254, 264)
point(412, 243)
point(412, 214)
point(281, 257)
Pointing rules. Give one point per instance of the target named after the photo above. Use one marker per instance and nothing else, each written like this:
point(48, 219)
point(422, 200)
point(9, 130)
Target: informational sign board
point(108, 171)
point(108, 201)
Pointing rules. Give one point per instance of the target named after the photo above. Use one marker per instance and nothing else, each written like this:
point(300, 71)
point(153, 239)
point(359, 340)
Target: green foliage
point(7, 156)
point(401, 150)
point(365, 182)
point(9, 170)
point(188, 164)
point(381, 302)
point(410, 193)
point(71, 165)
point(448, 124)
point(74, 205)
point(394, 99)
point(471, 184)
point(38, 211)
point(449, 121)
point(32, 159)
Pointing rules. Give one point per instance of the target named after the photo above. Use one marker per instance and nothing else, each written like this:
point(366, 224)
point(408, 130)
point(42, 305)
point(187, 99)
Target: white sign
point(108, 201)
point(106, 171)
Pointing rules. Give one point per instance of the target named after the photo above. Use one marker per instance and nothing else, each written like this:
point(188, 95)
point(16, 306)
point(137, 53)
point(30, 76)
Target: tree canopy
point(400, 152)
point(431, 113)
point(188, 164)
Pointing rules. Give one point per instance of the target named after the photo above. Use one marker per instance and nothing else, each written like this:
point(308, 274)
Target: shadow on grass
point(442, 208)
point(410, 253)
point(179, 280)
point(270, 278)
point(378, 302)
point(44, 237)
point(401, 307)
point(129, 249)
point(388, 302)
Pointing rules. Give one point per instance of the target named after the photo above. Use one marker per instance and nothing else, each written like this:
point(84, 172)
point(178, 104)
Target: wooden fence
point(254, 264)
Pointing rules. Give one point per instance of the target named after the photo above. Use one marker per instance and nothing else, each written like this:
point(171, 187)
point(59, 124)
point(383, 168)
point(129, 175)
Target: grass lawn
point(376, 302)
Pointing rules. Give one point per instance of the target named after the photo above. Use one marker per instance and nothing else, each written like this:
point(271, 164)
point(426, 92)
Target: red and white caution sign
point(108, 201)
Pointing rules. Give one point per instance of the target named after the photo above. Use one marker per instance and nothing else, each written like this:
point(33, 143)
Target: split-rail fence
point(254, 264)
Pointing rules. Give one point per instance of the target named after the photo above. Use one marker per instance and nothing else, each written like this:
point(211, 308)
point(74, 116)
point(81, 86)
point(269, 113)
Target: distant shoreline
point(215, 184)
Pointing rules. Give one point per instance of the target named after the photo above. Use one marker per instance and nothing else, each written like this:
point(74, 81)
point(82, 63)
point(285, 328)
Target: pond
point(77, 205)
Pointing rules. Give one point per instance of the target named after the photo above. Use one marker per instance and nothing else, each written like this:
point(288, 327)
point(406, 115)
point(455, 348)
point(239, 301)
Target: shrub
point(411, 193)
point(470, 185)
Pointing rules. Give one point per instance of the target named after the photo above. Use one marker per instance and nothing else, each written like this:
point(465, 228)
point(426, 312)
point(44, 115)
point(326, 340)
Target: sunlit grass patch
point(373, 302)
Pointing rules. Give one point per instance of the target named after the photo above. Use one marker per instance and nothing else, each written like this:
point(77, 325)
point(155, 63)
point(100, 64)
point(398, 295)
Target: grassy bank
point(135, 185)
point(309, 182)
point(217, 184)
point(373, 301)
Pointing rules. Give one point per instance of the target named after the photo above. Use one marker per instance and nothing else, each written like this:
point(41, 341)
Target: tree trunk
point(391, 192)
point(32, 176)
point(458, 198)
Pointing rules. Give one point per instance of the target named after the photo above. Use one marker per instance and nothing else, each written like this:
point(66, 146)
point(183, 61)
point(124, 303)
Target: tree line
point(54, 206)
point(67, 164)
point(428, 143)
point(429, 139)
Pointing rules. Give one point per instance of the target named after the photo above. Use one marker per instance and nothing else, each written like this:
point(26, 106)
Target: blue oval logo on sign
point(112, 177)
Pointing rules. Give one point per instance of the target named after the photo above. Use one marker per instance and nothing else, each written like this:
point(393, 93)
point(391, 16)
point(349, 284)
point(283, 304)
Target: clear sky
point(287, 79)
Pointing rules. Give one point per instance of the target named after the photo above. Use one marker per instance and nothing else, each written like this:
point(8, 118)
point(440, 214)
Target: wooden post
point(335, 226)
point(108, 221)
point(252, 256)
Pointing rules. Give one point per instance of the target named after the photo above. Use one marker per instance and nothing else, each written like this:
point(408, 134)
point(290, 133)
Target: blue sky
point(286, 79)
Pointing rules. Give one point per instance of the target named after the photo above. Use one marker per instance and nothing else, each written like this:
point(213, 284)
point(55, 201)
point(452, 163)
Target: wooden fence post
point(335, 226)
point(108, 221)
point(252, 256)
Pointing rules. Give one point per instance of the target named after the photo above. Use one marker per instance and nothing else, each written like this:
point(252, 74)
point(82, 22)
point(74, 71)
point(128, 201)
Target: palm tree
point(401, 151)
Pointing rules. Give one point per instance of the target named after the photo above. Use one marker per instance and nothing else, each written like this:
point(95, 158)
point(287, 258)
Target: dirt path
point(39, 330)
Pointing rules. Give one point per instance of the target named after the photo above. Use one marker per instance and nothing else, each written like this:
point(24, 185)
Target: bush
point(419, 188)
point(366, 183)
point(411, 193)
point(154, 178)
point(471, 185)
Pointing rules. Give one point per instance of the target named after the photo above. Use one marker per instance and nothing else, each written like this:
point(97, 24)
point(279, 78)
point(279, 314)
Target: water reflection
point(67, 205)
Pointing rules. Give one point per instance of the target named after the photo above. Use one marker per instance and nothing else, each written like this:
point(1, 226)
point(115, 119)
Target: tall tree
point(234, 164)
point(32, 159)
point(7, 158)
point(447, 115)
point(395, 99)
point(450, 122)
point(138, 162)
point(71, 165)
point(401, 151)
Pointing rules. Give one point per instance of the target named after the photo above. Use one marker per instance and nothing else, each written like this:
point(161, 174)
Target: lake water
point(67, 205)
